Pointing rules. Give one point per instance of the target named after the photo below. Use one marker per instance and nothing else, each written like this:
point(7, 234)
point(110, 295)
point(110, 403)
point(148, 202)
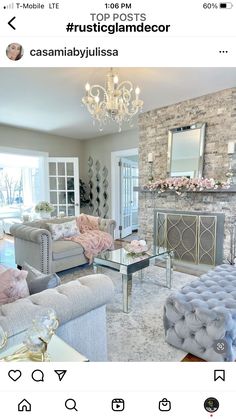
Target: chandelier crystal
point(117, 102)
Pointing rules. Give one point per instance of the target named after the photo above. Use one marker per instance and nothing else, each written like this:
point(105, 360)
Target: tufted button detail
point(209, 305)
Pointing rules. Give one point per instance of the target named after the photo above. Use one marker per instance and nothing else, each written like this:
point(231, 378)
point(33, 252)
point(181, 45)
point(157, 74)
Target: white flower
point(142, 242)
point(44, 206)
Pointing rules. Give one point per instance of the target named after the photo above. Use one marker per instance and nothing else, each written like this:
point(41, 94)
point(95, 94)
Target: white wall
point(100, 149)
point(33, 140)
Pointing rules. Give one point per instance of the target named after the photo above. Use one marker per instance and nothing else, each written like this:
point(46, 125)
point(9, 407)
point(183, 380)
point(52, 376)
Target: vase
point(44, 215)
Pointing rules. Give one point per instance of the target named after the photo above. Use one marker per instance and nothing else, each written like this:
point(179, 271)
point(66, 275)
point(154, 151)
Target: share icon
point(60, 373)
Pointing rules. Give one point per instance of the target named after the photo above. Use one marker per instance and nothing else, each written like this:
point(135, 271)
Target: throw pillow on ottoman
point(203, 313)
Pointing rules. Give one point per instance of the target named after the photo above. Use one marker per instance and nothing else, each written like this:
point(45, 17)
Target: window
point(22, 183)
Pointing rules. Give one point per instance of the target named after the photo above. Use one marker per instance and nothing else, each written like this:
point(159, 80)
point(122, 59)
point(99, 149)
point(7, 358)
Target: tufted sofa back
point(42, 223)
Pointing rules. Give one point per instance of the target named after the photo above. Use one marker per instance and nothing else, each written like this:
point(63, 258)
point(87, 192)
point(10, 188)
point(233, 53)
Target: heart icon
point(14, 374)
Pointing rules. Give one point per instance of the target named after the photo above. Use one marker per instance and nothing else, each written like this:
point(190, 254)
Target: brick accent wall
point(218, 111)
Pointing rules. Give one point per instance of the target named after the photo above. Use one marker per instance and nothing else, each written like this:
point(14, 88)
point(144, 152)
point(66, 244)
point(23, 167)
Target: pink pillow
point(2, 268)
point(13, 285)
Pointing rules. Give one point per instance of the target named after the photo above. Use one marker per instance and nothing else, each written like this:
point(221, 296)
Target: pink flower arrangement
point(136, 247)
point(182, 184)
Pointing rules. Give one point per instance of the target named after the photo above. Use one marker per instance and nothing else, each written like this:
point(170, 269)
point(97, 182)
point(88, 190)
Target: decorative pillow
point(61, 230)
point(3, 268)
point(37, 281)
point(13, 285)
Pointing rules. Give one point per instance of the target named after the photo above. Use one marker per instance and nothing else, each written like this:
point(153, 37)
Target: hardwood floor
point(192, 358)
point(133, 236)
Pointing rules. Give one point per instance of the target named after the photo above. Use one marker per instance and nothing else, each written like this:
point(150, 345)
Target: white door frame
point(115, 185)
point(75, 161)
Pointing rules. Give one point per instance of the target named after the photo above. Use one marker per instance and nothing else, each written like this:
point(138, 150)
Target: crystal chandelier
point(117, 102)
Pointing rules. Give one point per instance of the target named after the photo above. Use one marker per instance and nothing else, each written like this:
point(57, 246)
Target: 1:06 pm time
point(118, 5)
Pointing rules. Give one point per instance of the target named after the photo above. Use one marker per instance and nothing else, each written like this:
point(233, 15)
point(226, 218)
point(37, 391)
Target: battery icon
point(227, 5)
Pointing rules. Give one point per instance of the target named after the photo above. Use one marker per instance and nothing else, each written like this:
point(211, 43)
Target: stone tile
point(218, 111)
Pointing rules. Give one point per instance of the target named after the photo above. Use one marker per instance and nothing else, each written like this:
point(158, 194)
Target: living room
point(42, 115)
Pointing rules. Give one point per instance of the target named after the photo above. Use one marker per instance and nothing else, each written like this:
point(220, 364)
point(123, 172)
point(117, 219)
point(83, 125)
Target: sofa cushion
point(37, 281)
point(13, 285)
point(61, 230)
point(62, 249)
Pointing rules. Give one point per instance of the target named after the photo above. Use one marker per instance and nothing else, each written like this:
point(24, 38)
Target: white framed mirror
point(186, 151)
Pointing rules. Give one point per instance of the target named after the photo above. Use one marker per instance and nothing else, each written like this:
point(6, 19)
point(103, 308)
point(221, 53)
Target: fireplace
point(217, 110)
point(194, 236)
point(217, 203)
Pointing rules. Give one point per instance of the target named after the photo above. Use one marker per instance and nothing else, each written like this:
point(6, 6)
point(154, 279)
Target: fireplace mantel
point(232, 189)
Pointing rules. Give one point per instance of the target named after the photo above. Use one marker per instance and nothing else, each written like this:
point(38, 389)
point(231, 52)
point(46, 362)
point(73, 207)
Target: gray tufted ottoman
point(203, 312)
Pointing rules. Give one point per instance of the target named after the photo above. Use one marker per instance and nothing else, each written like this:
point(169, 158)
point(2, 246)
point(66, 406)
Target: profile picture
point(14, 51)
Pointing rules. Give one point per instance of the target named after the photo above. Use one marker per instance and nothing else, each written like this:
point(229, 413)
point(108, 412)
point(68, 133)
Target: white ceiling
point(49, 99)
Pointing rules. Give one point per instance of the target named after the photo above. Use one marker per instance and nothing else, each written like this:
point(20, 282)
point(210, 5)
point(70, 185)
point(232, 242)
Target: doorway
point(64, 185)
point(124, 169)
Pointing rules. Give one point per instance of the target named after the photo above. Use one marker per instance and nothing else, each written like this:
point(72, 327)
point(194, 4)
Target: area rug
point(139, 335)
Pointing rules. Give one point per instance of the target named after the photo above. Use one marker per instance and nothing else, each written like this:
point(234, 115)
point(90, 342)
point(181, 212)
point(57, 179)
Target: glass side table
point(121, 261)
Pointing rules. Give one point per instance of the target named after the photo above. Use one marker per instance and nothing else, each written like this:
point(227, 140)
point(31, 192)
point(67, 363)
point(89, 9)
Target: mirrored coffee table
point(121, 261)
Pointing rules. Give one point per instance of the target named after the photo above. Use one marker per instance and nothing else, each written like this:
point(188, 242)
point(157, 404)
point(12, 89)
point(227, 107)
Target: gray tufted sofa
point(202, 313)
point(81, 309)
point(34, 245)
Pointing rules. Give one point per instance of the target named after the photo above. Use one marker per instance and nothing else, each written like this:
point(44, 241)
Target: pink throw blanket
point(93, 242)
point(87, 222)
